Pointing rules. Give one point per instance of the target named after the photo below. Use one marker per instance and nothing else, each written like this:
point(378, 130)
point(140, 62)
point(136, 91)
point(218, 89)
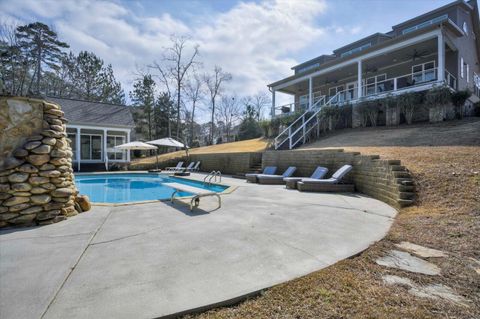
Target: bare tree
point(260, 101)
point(229, 112)
point(214, 83)
point(174, 67)
point(194, 90)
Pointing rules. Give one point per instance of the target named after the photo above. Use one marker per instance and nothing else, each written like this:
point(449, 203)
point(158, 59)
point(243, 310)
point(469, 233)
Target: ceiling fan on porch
point(417, 54)
point(370, 69)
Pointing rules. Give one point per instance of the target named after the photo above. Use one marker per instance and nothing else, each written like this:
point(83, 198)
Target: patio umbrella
point(168, 141)
point(137, 145)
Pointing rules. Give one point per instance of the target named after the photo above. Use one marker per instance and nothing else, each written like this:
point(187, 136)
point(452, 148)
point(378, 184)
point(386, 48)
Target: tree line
point(34, 62)
point(167, 96)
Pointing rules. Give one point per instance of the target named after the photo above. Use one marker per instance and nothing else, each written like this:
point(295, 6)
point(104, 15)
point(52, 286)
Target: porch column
point(77, 148)
point(359, 79)
point(273, 103)
point(128, 141)
point(441, 57)
point(105, 145)
point(310, 92)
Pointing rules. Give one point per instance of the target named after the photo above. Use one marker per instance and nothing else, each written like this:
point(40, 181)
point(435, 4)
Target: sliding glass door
point(91, 147)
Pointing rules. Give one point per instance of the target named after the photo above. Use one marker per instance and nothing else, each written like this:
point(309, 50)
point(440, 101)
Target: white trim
point(89, 127)
point(421, 38)
point(462, 74)
point(441, 57)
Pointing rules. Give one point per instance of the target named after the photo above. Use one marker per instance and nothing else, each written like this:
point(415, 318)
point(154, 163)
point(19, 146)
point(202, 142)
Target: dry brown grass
point(253, 145)
point(446, 217)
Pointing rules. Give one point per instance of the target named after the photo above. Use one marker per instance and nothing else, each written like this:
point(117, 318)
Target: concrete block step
point(405, 202)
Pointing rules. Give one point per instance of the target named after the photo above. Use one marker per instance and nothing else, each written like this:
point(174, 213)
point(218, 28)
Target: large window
point(355, 50)
point(375, 84)
point(90, 147)
point(425, 24)
point(113, 153)
point(424, 72)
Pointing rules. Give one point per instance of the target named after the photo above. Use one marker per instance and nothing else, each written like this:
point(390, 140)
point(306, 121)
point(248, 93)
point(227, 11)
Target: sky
point(256, 41)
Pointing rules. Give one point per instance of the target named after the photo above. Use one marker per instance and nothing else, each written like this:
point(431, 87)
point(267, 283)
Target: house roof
point(94, 113)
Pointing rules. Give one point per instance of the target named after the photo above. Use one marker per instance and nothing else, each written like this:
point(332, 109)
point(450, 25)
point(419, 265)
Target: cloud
point(253, 41)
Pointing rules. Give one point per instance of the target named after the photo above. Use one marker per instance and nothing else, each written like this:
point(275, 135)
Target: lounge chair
point(319, 173)
point(268, 170)
point(175, 168)
point(276, 179)
point(196, 168)
point(332, 184)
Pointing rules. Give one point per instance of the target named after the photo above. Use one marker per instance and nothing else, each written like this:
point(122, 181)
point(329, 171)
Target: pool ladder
point(212, 175)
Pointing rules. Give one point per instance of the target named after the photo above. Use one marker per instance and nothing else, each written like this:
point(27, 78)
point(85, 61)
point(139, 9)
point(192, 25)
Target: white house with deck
point(95, 129)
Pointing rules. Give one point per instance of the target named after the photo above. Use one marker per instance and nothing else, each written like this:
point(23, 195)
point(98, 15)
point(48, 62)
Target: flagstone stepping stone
point(421, 250)
point(405, 261)
point(433, 291)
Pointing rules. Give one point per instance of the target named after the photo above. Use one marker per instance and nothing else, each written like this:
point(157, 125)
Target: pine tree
point(143, 98)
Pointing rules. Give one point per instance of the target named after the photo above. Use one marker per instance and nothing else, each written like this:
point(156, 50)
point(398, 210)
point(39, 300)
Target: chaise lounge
point(332, 184)
point(175, 168)
point(276, 179)
point(268, 170)
point(319, 173)
point(196, 168)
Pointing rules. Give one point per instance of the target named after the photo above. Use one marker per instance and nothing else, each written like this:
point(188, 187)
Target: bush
point(329, 117)
point(249, 128)
point(195, 143)
point(408, 102)
point(361, 108)
point(458, 100)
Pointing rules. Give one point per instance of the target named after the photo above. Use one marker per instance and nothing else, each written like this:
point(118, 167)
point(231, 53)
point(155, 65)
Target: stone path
point(405, 261)
point(152, 260)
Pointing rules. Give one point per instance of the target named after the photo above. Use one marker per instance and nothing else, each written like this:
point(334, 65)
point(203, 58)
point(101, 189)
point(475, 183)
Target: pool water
point(125, 188)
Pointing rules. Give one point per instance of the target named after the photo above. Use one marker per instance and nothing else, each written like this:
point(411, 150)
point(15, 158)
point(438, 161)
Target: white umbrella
point(137, 145)
point(167, 141)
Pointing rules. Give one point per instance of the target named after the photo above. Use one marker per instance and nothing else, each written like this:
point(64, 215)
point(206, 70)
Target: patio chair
point(332, 184)
point(175, 168)
point(318, 173)
point(276, 179)
point(268, 170)
point(196, 168)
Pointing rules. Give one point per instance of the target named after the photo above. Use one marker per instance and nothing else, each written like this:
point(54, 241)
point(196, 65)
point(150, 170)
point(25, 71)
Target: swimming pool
point(125, 188)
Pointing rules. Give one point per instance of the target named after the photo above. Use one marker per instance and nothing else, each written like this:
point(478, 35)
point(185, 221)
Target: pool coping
point(226, 191)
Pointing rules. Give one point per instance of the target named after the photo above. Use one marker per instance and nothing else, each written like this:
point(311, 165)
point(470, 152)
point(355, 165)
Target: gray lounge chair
point(318, 173)
point(268, 170)
point(276, 179)
point(175, 168)
point(196, 168)
point(332, 184)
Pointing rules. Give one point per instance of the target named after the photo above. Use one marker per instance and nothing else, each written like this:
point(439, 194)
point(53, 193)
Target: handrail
point(304, 122)
point(213, 175)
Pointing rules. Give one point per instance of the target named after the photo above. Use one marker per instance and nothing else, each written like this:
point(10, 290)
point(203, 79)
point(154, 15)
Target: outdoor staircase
point(305, 127)
point(255, 168)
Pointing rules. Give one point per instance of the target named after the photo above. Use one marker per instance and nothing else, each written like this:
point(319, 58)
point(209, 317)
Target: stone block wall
point(36, 176)
point(227, 163)
point(385, 180)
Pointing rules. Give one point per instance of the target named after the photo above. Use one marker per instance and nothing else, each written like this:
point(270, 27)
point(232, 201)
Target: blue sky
point(256, 41)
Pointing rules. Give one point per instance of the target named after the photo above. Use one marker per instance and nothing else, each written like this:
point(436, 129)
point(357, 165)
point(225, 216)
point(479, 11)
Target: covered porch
point(94, 145)
point(416, 64)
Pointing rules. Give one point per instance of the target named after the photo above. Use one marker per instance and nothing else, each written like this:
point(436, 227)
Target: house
point(95, 129)
point(440, 47)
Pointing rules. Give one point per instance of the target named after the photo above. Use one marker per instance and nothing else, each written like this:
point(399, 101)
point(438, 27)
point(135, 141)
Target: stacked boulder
point(36, 180)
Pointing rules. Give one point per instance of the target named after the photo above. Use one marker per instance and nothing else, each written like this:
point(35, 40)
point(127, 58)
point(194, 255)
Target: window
point(465, 28)
point(468, 73)
point(425, 24)
point(308, 67)
point(424, 72)
point(334, 91)
point(73, 144)
point(461, 68)
point(355, 50)
point(375, 84)
point(476, 84)
point(113, 153)
point(90, 147)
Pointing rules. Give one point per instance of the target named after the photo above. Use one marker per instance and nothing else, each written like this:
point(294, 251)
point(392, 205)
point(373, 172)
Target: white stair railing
point(306, 122)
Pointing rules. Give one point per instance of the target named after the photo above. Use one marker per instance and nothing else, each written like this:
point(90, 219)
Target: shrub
point(249, 128)
point(458, 100)
point(408, 102)
point(266, 127)
point(195, 143)
point(329, 117)
point(362, 112)
point(372, 109)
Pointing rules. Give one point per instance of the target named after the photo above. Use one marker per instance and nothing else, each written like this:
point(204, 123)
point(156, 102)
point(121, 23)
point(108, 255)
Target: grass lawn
point(446, 217)
point(254, 145)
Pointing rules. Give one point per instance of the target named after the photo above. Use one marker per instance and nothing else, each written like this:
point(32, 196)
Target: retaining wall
point(385, 180)
point(36, 176)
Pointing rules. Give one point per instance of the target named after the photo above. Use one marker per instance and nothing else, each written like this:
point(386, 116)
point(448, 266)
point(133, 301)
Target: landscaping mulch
point(446, 217)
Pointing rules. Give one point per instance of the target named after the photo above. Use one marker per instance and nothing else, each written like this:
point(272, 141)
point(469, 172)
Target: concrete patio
point(158, 259)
